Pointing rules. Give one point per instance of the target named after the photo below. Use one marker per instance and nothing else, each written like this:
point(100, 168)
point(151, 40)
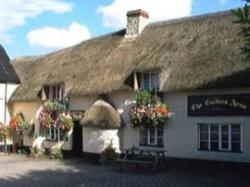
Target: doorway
point(77, 139)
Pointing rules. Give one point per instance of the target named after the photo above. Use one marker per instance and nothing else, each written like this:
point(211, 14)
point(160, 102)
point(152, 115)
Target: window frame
point(58, 134)
point(220, 141)
point(56, 92)
point(151, 82)
point(155, 137)
point(48, 133)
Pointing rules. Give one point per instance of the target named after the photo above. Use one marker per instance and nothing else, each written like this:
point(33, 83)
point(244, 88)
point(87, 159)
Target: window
point(51, 133)
point(220, 137)
point(55, 134)
point(151, 136)
point(55, 92)
point(150, 81)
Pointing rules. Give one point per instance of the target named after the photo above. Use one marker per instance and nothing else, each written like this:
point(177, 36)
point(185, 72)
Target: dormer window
point(54, 92)
point(150, 81)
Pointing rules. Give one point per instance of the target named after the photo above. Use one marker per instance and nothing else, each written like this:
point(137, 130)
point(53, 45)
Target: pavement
point(22, 171)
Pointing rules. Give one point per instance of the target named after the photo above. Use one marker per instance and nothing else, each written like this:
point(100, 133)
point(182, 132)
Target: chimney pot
point(136, 21)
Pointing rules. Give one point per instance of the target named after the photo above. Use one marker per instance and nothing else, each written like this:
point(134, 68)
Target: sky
point(36, 27)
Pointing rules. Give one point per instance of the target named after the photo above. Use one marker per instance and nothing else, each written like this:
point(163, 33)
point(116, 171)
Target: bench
point(141, 157)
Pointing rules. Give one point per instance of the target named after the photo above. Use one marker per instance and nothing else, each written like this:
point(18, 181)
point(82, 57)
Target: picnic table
point(142, 156)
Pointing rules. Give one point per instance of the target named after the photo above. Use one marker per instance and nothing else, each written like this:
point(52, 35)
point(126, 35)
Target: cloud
point(114, 14)
point(14, 13)
point(56, 38)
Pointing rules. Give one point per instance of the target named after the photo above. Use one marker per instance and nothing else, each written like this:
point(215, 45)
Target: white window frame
point(229, 141)
point(155, 143)
point(56, 132)
point(59, 92)
point(150, 81)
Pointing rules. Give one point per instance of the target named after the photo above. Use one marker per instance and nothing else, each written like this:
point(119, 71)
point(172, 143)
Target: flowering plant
point(55, 114)
point(4, 131)
point(148, 111)
point(18, 124)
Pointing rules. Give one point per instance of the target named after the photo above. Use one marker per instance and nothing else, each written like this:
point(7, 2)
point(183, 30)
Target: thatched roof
point(190, 52)
point(101, 115)
point(7, 72)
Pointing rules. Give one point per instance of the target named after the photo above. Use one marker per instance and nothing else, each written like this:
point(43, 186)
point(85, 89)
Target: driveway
point(22, 171)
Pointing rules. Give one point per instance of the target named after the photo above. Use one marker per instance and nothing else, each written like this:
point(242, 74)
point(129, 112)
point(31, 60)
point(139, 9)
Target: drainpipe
point(5, 104)
point(5, 113)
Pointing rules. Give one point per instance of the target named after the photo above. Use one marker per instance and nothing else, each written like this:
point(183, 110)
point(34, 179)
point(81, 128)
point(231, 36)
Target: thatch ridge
point(7, 72)
point(190, 52)
point(101, 115)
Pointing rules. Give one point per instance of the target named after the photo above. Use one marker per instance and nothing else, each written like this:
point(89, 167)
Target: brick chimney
point(136, 21)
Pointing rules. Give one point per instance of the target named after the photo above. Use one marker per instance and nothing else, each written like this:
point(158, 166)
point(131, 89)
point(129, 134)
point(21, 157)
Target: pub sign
point(219, 105)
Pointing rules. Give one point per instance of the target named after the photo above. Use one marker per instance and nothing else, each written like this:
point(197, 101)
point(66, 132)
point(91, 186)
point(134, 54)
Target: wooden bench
point(141, 157)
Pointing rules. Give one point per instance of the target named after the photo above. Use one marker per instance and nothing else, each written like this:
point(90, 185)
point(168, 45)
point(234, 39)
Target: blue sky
point(31, 27)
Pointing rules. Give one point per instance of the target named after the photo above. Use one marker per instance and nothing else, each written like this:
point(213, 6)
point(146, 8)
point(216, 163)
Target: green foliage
point(56, 153)
point(108, 155)
point(37, 152)
point(18, 125)
point(243, 18)
point(65, 121)
point(145, 98)
point(4, 132)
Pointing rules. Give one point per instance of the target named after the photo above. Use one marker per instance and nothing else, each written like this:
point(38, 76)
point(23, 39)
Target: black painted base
point(2, 148)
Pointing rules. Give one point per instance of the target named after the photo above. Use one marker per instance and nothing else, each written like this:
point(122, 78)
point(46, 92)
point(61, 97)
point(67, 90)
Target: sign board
point(219, 105)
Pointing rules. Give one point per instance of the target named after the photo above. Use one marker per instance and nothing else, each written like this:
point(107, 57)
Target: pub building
point(195, 64)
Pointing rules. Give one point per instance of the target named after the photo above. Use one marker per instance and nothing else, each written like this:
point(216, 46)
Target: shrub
point(56, 153)
point(108, 155)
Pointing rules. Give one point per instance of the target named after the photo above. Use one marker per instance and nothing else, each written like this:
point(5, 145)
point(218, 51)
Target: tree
point(243, 18)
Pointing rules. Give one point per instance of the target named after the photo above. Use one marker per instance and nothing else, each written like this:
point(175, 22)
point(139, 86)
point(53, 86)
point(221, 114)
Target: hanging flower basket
point(20, 126)
point(55, 114)
point(148, 111)
point(4, 132)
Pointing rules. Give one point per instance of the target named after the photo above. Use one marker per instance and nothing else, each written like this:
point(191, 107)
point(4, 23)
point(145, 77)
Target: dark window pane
point(214, 128)
point(146, 85)
point(204, 145)
point(224, 129)
point(154, 81)
point(235, 128)
point(159, 141)
point(236, 147)
point(203, 127)
point(214, 145)
point(214, 137)
point(143, 136)
point(224, 145)
point(235, 137)
point(203, 136)
point(54, 92)
point(224, 137)
point(160, 132)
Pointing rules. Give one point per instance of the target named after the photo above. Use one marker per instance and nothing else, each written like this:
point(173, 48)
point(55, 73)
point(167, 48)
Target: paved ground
point(21, 171)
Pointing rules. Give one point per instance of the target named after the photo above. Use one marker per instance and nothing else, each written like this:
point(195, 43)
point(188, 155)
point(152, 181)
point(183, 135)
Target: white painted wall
point(6, 90)
point(96, 140)
point(123, 101)
point(181, 132)
point(82, 103)
point(29, 111)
